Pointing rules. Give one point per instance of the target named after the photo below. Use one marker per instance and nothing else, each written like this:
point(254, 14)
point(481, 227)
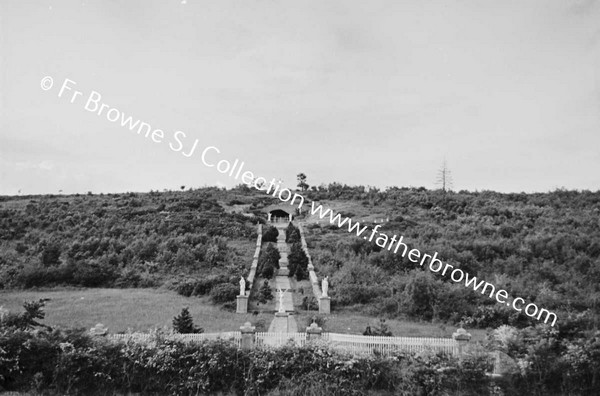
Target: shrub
point(298, 262)
point(224, 292)
point(184, 324)
point(270, 234)
point(265, 292)
point(26, 320)
point(268, 261)
point(309, 303)
point(186, 288)
point(292, 234)
point(51, 254)
point(381, 329)
point(69, 362)
point(94, 274)
point(267, 271)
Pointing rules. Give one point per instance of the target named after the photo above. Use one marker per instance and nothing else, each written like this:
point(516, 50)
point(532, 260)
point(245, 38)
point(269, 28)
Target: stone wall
point(254, 265)
point(311, 269)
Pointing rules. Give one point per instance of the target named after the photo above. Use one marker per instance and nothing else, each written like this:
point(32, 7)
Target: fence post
point(99, 330)
point(248, 336)
point(313, 332)
point(463, 338)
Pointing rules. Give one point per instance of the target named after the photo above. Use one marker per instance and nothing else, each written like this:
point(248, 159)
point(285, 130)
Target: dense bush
point(200, 287)
point(309, 303)
point(118, 240)
point(184, 323)
point(292, 234)
point(265, 293)
point(63, 363)
point(270, 234)
point(298, 262)
point(224, 292)
point(268, 261)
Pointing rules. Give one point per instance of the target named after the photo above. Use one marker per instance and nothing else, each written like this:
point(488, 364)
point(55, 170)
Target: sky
point(374, 93)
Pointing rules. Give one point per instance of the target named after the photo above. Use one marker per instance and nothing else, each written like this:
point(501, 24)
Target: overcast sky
point(373, 93)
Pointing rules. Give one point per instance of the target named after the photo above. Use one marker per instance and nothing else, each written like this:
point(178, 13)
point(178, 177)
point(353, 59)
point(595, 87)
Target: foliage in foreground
point(69, 362)
point(34, 357)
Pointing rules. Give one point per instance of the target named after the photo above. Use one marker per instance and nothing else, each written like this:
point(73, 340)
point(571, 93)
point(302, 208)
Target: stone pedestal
point(248, 335)
point(98, 330)
point(313, 332)
point(325, 305)
point(463, 338)
point(242, 304)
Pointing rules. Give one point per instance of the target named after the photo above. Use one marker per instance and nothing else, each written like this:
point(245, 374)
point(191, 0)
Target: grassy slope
point(144, 309)
point(121, 309)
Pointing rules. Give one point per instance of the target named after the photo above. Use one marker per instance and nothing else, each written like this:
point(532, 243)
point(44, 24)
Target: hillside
point(544, 247)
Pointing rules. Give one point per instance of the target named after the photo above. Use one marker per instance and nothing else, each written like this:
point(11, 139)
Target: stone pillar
point(325, 305)
point(313, 332)
point(242, 304)
point(463, 338)
point(269, 217)
point(290, 217)
point(248, 336)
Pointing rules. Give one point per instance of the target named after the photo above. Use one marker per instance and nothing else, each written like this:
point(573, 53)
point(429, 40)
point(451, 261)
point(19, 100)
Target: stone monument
point(242, 286)
point(242, 299)
point(281, 310)
point(325, 300)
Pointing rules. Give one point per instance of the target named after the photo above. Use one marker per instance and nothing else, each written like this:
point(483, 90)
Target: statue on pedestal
point(325, 286)
point(242, 286)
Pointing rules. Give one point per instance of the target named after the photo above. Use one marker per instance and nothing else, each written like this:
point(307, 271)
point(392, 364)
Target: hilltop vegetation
point(543, 247)
point(123, 240)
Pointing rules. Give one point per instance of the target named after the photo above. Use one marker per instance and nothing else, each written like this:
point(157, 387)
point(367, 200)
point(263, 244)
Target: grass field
point(145, 309)
point(123, 309)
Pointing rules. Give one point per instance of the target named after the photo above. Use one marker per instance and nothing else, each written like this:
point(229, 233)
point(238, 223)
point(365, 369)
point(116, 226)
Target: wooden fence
point(231, 336)
point(348, 343)
point(357, 344)
point(279, 339)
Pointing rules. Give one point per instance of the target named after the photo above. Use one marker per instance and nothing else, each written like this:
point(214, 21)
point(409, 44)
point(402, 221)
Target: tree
point(265, 293)
point(184, 324)
point(26, 320)
point(268, 261)
point(267, 271)
point(270, 234)
point(302, 181)
point(257, 183)
point(444, 177)
point(298, 262)
point(292, 234)
point(419, 295)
